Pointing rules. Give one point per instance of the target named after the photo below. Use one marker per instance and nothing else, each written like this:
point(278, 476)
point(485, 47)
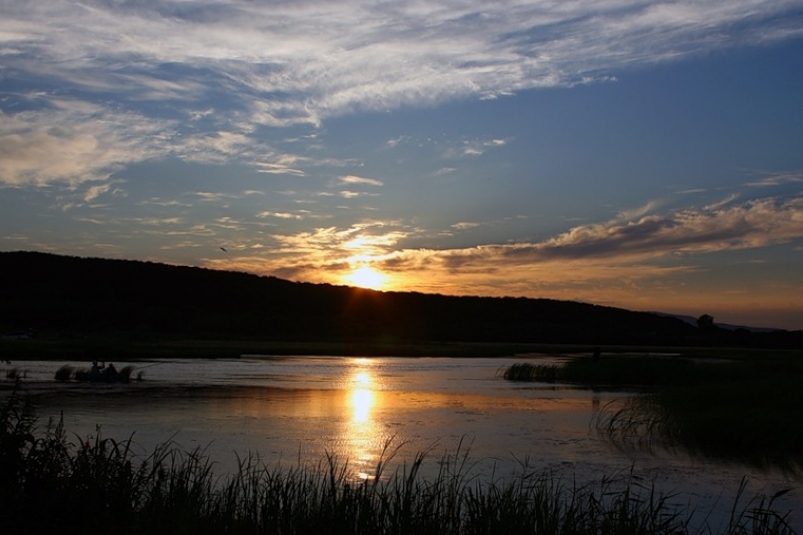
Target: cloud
point(753, 224)
point(724, 202)
point(235, 67)
point(351, 179)
point(94, 192)
point(778, 179)
point(392, 143)
point(445, 171)
point(280, 215)
point(347, 194)
point(369, 238)
point(74, 142)
point(475, 147)
point(647, 244)
point(636, 259)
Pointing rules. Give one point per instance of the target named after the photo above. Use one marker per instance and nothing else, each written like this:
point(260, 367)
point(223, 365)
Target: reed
point(525, 371)
point(49, 485)
point(618, 371)
point(757, 424)
point(747, 409)
point(125, 373)
point(64, 373)
point(15, 374)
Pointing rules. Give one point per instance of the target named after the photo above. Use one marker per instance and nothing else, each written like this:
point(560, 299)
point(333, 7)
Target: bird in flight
point(223, 249)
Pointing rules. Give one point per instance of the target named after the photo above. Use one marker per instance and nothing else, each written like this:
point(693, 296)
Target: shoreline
point(125, 349)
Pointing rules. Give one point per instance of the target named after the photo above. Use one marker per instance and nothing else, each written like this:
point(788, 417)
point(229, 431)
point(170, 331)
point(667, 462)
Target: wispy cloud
point(778, 179)
point(374, 238)
point(281, 215)
point(235, 67)
point(348, 194)
point(465, 225)
point(352, 179)
point(396, 141)
point(445, 171)
point(73, 142)
point(753, 224)
point(475, 147)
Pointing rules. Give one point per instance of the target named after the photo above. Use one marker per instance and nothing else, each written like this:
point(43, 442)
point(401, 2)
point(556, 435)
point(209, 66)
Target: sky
point(639, 154)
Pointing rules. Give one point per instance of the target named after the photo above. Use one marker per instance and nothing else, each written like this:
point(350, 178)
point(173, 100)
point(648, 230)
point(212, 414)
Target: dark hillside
point(70, 296)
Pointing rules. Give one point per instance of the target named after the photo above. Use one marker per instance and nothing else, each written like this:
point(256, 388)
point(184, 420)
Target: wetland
point(428, 412)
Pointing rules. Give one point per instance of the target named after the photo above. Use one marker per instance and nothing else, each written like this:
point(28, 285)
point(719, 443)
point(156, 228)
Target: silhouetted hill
point(89, 296)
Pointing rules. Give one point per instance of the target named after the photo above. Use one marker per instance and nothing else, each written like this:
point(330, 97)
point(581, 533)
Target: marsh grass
point(64, 373)
point(526, 371)
point(755, 420)
point(15, 374)
point(126, 372)
point(96, 485)
point(104, 375)
point(618, 371)
point(748, 409)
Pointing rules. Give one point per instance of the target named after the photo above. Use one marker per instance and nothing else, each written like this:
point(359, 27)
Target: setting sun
point(366, 277)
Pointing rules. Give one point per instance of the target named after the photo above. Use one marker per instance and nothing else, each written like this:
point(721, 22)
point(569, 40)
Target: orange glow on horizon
point(367, 277)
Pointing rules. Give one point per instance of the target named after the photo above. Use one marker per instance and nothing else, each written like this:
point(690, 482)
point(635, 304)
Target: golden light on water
point(362, 400)
point(362, 378)
point(362, 431)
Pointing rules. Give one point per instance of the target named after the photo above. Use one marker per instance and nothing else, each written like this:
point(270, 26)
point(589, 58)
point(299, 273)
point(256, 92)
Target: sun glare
point(366, 277)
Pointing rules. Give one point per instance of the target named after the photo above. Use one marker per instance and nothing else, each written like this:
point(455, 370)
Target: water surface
point(301, 409)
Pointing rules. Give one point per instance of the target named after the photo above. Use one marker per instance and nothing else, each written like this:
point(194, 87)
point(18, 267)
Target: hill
point(70, 296)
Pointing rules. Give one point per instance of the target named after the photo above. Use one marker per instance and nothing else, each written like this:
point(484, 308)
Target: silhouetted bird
point(223, 249)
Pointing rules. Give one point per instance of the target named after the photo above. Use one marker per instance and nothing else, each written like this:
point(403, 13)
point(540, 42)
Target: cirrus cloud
point(235, 67)
point(753, 224)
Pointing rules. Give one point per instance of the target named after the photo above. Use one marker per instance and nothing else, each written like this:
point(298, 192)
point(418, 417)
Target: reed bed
point(757, 421)
point(68, 372)
point(96, 485)
point(749, 409)
point(65, 373)
point(616, 371)
point(15, 374)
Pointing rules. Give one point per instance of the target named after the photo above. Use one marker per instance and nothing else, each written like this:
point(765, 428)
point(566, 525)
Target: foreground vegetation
point(48, 485)
point(749, 409)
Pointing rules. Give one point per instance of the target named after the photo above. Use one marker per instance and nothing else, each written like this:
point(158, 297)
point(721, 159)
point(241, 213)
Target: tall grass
point(96, 485)
point(749, 410)
point(15, 374)
point(619, 371)
point(64, 373)
point(756, 419)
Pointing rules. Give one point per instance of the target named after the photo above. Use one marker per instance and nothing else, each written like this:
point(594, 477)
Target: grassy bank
point(48, 485)
point(748, 409)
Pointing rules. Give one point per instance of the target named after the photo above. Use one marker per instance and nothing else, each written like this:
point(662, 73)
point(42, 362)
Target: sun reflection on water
point(362, 400)
point(362, 431)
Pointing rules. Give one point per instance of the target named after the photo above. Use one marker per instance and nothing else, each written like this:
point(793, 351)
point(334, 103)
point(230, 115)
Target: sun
point(366, 277)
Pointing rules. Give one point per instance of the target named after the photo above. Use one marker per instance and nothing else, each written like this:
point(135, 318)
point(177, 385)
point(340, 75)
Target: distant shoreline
point(111, 349)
